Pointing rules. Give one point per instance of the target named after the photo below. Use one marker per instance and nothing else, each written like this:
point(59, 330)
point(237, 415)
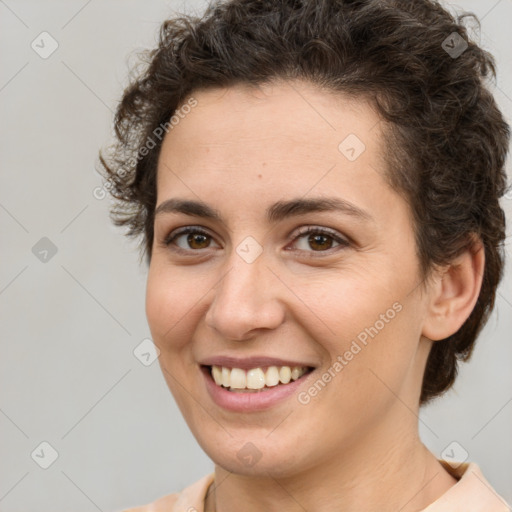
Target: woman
point(316, 184)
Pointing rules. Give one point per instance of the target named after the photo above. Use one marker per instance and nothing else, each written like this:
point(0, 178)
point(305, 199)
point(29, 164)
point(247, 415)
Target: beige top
point(472, 493)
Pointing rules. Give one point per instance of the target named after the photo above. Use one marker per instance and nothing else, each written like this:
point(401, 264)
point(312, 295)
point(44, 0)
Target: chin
point(257, 454)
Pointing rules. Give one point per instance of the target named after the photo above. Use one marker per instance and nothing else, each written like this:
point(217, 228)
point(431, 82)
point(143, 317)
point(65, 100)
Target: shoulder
point(190, 498)
point(472, 492)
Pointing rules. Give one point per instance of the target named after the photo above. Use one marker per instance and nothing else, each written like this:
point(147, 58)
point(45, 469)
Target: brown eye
point(189, 239)
point(311, 239)
point(320, 242)
point(198, 241)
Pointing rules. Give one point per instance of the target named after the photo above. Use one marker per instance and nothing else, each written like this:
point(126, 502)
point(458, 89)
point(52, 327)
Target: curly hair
point(447, 140)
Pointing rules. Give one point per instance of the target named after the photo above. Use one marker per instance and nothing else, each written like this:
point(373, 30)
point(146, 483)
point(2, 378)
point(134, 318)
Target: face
point(283, 262)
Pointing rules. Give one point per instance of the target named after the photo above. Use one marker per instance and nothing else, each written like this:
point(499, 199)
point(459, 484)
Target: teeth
point(217, 375)
point(285, 374)
point(255, 378)
point(296, 372)
point(238, 379)
point(226, 377)
point(272, 376)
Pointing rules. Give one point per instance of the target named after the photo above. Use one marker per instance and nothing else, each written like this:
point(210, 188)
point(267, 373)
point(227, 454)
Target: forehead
point(284, 109)
point(245, 126)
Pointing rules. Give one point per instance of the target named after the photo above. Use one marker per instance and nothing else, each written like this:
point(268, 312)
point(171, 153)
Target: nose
point(246, 300)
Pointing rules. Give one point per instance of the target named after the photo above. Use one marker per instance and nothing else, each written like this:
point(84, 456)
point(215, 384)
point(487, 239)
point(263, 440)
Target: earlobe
point(454, 293)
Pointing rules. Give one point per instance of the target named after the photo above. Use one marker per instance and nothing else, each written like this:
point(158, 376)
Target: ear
point(454, 293)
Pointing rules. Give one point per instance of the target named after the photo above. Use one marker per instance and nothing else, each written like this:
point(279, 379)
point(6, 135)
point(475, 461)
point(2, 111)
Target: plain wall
point(69, 325)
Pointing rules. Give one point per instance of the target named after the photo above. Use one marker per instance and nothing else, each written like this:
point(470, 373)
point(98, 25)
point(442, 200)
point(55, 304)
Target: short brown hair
point(447, 140)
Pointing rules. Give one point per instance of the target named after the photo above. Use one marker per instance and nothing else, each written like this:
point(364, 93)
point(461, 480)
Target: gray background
point(69, 325)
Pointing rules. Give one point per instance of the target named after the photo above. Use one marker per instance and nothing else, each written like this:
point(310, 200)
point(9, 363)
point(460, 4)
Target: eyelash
point(303, 232)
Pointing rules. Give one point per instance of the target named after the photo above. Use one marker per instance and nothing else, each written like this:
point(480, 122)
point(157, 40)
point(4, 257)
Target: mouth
point(255, 380)
point(252, 384)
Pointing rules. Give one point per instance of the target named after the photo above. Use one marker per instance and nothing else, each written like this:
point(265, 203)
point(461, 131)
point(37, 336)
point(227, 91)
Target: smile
point(253, 384)
point(255, 380)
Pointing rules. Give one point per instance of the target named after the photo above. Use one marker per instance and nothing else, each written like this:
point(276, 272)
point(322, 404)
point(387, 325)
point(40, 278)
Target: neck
point(368, 477)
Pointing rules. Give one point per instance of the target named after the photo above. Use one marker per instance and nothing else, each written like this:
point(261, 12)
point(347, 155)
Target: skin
point(355, 446)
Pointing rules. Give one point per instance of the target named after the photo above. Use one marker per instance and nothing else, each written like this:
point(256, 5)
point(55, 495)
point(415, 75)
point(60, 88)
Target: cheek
point(378, 360)
point(367, 324)
point(171, 302)
point(171, 310)
point(351, 303)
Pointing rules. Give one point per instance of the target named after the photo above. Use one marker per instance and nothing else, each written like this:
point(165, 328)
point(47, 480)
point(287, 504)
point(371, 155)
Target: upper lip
point(247, 363)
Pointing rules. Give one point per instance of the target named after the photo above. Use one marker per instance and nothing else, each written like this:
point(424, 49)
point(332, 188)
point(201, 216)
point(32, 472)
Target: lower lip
point(250, 402)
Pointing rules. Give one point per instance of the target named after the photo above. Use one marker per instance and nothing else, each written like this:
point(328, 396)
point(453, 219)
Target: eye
point(189, 238)
point(313, 239)
point(310, 239)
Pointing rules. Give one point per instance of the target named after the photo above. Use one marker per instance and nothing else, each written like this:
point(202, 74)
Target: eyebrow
point(276, 212)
